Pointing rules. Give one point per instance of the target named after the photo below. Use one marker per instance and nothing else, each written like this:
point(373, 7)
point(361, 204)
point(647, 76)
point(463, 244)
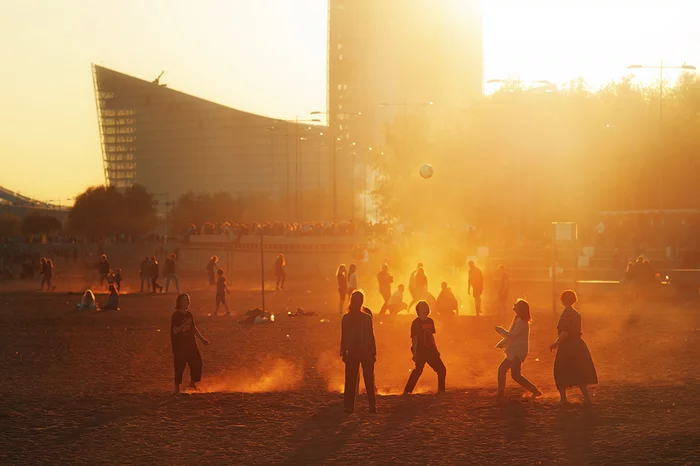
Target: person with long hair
point(280, 274)
point(358, 348)
point(424, 349)
point(515, 344)
point(182, 337)
point(341, 276)
point(573, 365)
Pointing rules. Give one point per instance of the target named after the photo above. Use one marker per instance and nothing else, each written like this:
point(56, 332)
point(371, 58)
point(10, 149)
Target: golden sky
point(230, 51)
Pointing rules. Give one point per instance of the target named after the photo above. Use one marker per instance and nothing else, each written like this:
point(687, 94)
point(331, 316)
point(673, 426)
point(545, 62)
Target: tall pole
point(335, 173)
point(289, 194)
point(298, 209)
point(662, 168)
point(262, 269)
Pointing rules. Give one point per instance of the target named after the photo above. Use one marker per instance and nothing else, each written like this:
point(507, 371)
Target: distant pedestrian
point(280, 273)
point(385, 280)
point(104, 270)
point(145, 273)
point(43, 273)
point(358, 348)
point(502, 289)
point(221, 292)
point(169, 272)
point(154, 270)
point(573, 365)
point(424, 349)
point(476, 285)
point(515, 344)
point(341, 276)
point(182, 337)
point(112, 300)
point(118, 279)
point(212, 267)
point(352, 279)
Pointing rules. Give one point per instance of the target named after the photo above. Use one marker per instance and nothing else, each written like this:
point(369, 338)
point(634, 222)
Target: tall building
point(172, 143)
point(389, 56)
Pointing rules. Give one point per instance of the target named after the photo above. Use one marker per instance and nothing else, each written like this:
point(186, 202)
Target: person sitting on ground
point(447, 304)
point(113, 300)
point(396, 302)
point(87, 302)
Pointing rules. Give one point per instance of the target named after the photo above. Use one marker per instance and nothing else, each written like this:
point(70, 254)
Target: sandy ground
point(94, 388)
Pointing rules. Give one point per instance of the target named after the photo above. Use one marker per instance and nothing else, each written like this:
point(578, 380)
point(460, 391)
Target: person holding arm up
point(515, 344)
point(182, 337)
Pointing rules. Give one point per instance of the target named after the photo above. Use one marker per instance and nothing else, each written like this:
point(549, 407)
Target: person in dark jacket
point(447, 304)
point(385, 280)
point(103, 269)
point(155, 273)
point(358, 348)
point(169, 272)
point(145, 274)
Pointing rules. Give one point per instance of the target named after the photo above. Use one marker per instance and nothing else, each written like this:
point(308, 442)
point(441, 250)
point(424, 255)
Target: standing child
point(221, 292)
point(424, 349)
point(515, 343)
point(185, 351)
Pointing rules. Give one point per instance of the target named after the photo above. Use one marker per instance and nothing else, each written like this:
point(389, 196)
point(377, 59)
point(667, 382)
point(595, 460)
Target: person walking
point(515, 344)
point(573, 365)
point(145, 273)
point(154, 270)
point(476, 285)
point(212, 267)
point(385, 280)
point(182, 338)
point(341, 276)
point(103, 269)
point(424, 349)
point(48, 275)
point(169, 272)
point(280, 273)
point(221, 292)
point(358, 348)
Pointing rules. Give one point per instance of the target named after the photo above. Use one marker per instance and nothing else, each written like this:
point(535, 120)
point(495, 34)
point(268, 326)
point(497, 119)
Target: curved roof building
point(171, 143)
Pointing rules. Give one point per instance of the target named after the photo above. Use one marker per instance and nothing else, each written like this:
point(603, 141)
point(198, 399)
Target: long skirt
point(573, 365)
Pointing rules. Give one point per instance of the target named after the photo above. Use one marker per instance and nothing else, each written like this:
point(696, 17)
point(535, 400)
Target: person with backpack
point(424, 349)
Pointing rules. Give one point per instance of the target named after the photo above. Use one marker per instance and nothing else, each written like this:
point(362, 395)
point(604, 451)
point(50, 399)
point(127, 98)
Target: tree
point(37, 224)
point(527, 157)
point(200, 208)
point(106, 211)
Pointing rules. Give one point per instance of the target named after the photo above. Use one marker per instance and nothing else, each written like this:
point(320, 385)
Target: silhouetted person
point(573, 365)
point(476, 285)
point(358, 348)
point(503, 288)
point(103, 269)
point(154, 270)
point(42, 272)
point(185, 351)
point(447, 304)
point(145, 273)
point(170, 273)
point(516, 343)
point(221, 292)
point(112, 300)
point(352, 279)
point(412, 282)
point(212, 267)
point(385, 280)
point(280, 264)
point(341, 276)
point(396, 303)
point(118, 279)
point(48, 275)
point(420, 287)
point(424, 349)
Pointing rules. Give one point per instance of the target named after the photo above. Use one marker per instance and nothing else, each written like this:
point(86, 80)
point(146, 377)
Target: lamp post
point(661, 67)
point(334, 139)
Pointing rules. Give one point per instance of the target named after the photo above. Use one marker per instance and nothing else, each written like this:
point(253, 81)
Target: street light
point(334, 139)
point(661, 67)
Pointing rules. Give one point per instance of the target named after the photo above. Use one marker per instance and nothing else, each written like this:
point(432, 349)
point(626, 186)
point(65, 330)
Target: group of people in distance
point(573, 365)
point(149, 273)
point(445, 304)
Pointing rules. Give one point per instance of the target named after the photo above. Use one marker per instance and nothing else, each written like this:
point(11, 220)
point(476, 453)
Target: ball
point(427, 171)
